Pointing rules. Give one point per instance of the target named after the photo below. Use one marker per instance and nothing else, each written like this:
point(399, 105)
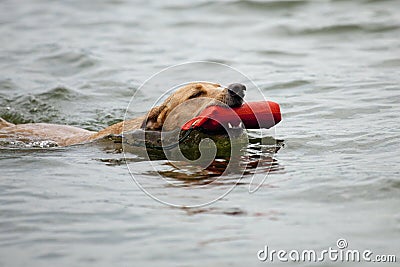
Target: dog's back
point(63, 135)
point(4, 123)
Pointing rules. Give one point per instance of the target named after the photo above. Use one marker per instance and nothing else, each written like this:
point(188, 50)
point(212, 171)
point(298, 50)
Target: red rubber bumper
point(253, 115)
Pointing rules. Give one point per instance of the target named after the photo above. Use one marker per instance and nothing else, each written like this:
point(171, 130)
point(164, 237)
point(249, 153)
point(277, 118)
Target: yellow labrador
point(65, 135)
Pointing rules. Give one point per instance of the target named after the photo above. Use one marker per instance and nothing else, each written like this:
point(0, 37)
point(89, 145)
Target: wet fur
point(65, 135)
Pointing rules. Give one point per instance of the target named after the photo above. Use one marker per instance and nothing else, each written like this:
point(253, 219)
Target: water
point(332, 65)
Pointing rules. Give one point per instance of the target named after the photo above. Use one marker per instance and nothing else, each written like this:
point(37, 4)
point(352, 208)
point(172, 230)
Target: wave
point(250, 4)
point(339, 28)
point(67, 63)
point(34, 108)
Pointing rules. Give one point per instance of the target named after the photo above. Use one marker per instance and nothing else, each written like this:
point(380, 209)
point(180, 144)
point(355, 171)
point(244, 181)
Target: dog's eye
point(197, 94)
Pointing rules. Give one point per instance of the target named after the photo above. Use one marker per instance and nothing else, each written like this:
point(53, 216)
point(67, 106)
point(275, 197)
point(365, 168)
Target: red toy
point(253, 115)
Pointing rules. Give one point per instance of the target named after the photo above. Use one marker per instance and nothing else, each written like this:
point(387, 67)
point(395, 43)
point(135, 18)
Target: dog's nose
point(237, 89)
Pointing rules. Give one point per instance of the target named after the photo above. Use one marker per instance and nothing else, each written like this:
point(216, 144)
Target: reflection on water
point(252, 158)
point(258, 155)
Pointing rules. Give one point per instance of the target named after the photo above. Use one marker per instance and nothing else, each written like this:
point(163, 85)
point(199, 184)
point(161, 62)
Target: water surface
point(332, 65)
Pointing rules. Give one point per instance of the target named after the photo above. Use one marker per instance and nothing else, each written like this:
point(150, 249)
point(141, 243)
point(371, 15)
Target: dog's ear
point(154, 119)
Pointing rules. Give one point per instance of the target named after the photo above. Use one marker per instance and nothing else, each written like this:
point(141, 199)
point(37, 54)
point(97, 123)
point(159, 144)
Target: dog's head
point(210, 94)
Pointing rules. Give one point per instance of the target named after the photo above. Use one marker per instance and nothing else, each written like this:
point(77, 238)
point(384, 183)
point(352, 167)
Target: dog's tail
point(4, 123)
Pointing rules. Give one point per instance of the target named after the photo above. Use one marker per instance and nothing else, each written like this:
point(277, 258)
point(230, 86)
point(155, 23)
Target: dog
point(154, 120)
